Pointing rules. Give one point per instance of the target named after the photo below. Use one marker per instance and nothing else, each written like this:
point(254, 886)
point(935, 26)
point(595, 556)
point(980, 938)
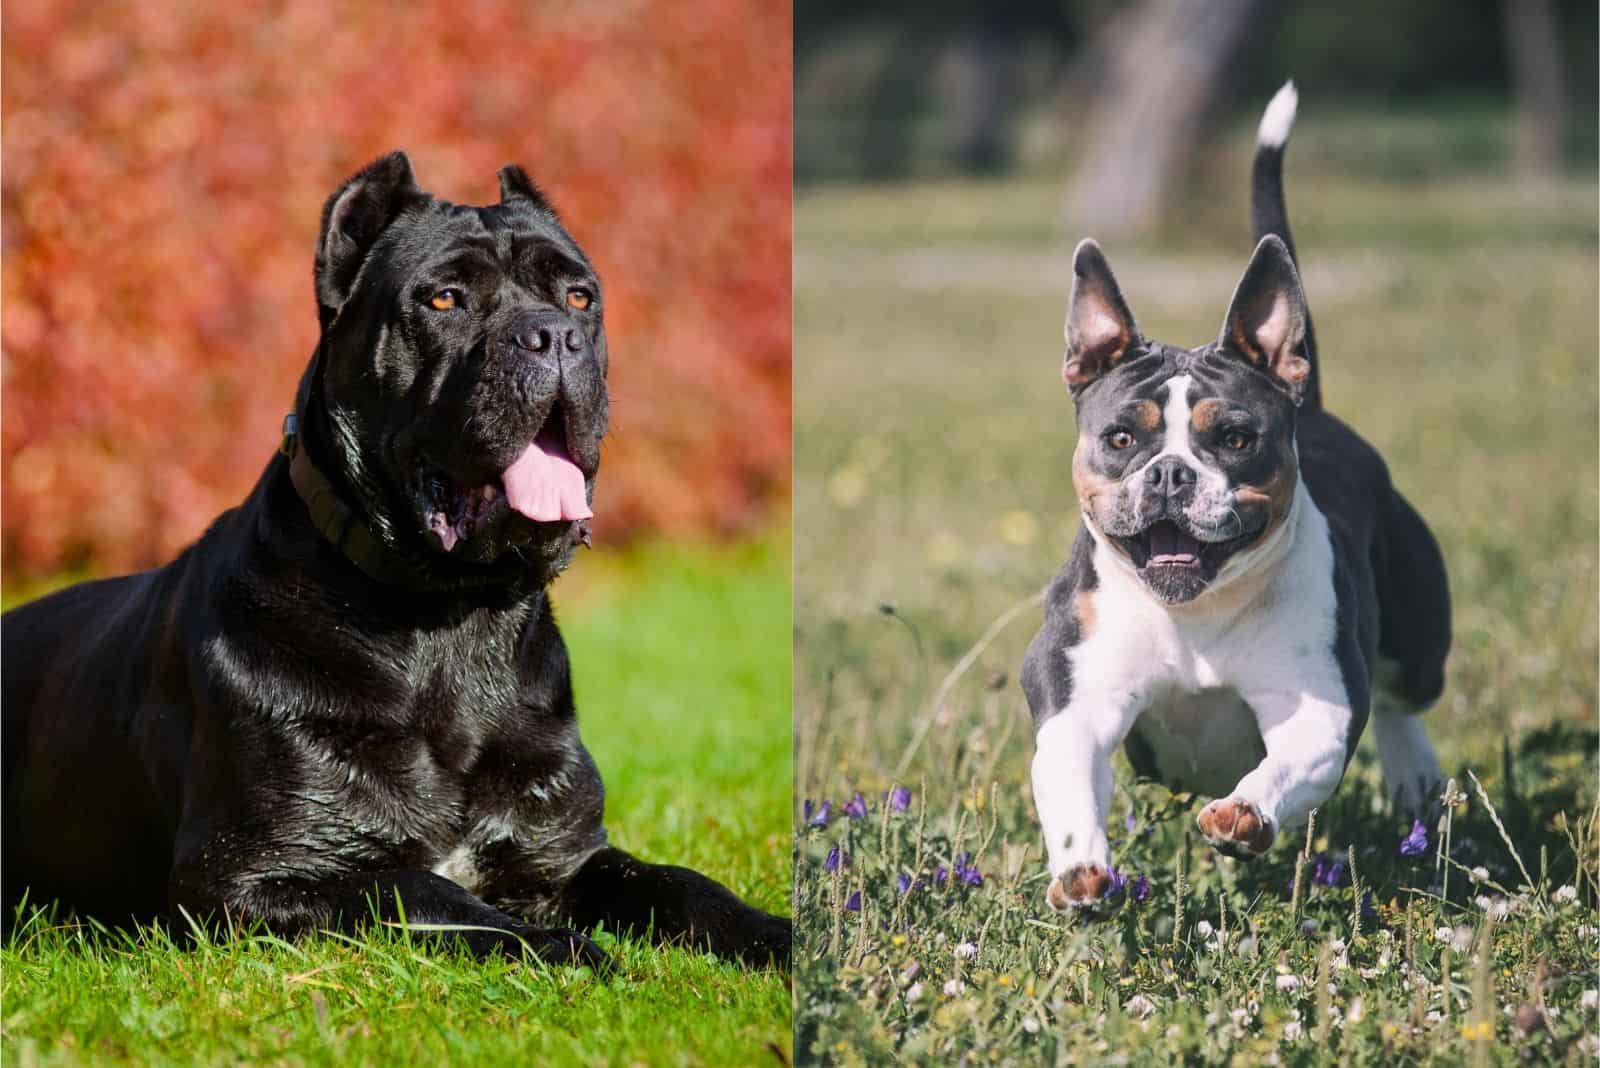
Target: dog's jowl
point(349, 697)
point(1247, 583)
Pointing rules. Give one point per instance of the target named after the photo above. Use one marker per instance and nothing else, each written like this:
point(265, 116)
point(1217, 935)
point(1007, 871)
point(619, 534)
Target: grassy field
point(1457, 322)
point(681, 661)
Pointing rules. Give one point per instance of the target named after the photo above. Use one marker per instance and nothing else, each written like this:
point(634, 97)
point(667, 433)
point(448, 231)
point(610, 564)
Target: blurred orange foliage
point(165, 164)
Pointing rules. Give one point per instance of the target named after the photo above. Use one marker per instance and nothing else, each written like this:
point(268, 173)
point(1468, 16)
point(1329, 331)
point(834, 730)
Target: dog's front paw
point(558, 946)
point(1080, 886)
point(1236, 827)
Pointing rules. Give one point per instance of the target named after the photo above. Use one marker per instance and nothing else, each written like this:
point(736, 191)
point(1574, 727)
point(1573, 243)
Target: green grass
point(681, 660)
point(1456, 319)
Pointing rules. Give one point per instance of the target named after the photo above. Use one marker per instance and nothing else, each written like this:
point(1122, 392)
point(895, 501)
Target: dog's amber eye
point(1238, 440)
point(1119, 439)
point(578, 299)
point(446, 300)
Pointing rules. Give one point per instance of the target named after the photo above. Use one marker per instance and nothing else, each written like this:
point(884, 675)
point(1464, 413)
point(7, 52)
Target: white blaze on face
point(1211, 483)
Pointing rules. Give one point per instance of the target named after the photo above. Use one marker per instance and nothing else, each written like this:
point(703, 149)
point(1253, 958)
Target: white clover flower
point(1288, 982)
point(1442, 934)
point(1337, 945)
point(1240, 1017)
point(1584, 930)
point(1461, 939)
point(1140, 1005)
point(1292, 1030)
point(1434, 1016)
point(1030, 1024)
point(1589, 1045)
point(1589, 1000)
point(1204, 928)
point(1479, 874)
point(966, 951)
point(914, 991)
point(1357, 1009)
point(952, 987)
point(1566, 893)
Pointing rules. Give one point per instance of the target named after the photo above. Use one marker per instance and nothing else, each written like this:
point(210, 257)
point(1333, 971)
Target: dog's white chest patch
point(1202, 741)
point(460, 867)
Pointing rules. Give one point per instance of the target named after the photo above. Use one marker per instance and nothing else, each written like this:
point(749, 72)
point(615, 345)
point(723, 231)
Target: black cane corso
point(349, 698)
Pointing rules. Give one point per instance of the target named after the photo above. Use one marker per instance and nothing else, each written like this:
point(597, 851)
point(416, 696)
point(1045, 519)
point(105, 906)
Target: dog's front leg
point(676, 905)
point(1072, 791)
point(434, 908)
point(1305, 737)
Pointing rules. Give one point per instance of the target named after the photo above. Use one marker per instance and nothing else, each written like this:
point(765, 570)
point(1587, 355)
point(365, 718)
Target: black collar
point(336, 522)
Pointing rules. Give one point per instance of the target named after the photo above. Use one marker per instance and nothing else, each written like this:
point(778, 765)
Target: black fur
point(259, 731)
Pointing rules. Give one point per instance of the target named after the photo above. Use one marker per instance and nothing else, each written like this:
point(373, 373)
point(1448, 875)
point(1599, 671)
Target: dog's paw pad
point(1078, 886)
point(1234, 825)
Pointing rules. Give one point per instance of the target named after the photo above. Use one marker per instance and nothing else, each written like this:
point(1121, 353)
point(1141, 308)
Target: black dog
point(349, 696)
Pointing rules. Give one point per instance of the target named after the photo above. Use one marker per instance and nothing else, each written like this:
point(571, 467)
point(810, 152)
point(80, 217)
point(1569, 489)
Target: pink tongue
point(544, 484)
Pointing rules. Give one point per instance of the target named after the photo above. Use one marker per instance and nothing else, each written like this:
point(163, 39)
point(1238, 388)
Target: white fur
point(1262, 641)
point(1411, 774)
point(460, 867)
point(1278, 119)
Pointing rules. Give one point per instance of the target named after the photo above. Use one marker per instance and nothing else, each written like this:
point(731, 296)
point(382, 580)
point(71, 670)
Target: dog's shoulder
point(1068, 611)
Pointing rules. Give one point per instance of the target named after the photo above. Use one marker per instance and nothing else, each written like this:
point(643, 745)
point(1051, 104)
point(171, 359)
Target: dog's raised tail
point(1269, 214)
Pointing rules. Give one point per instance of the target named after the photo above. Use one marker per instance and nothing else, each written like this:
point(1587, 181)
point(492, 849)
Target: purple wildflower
point(835, 860)
point(1119, 883)
point(899, 799)
point(967, 871)
point(1129, 823)
point(824, 814)
point(1416, 843)
point(856, 807)
point(1141, 888)
point(904, 883)
point(1332, 875)
point(941, 875)
point(1367, 911)
point(805, 810)
point(853, 902)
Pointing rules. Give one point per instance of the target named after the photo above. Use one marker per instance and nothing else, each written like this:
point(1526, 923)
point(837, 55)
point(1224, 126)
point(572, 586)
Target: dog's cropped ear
point(1100, 328)
point(516, 185)
point(352, 219)
point(1266, 322)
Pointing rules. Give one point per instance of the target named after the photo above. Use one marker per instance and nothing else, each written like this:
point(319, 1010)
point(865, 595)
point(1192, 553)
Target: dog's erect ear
point(1100, 328)
point(516, 185)
point(1266, 322)
point(352, 219)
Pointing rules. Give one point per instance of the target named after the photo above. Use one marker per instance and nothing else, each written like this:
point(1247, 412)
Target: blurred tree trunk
point(1162, 62)
point(1536, 79)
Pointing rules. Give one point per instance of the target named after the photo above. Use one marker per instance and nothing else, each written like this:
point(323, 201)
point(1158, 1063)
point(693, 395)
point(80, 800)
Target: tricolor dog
point(1247, 583)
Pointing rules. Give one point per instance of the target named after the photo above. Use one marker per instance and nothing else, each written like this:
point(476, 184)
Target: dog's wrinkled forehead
point(527, 244)
point(1141, 385)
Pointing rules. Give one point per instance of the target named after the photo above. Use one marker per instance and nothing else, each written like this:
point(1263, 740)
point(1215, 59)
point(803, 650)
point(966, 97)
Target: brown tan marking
point(1078, 885)
point(1147, 414)
point(1276, 494)
point(1236, 821)
point(1206, 414)
point(1083, 608)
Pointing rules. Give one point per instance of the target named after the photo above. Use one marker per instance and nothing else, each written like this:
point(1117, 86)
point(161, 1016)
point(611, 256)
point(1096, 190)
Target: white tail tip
point(1278, 119)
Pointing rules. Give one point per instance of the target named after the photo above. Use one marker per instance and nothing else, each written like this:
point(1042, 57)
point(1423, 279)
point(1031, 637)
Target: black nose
point(541, 332)
point(1168, 475)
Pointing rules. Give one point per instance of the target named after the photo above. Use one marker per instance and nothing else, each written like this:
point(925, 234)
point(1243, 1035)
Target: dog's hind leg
point(673, 904)
point(1413, 640)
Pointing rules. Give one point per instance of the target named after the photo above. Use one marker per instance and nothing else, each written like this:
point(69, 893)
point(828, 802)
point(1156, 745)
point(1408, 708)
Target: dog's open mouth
point(1164, 544)
point(543, 486)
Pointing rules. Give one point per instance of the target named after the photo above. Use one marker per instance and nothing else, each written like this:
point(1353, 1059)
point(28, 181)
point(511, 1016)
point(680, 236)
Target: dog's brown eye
point(1238, 440)
point(446, 300)
point(578, 299)
point(1119, 439)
